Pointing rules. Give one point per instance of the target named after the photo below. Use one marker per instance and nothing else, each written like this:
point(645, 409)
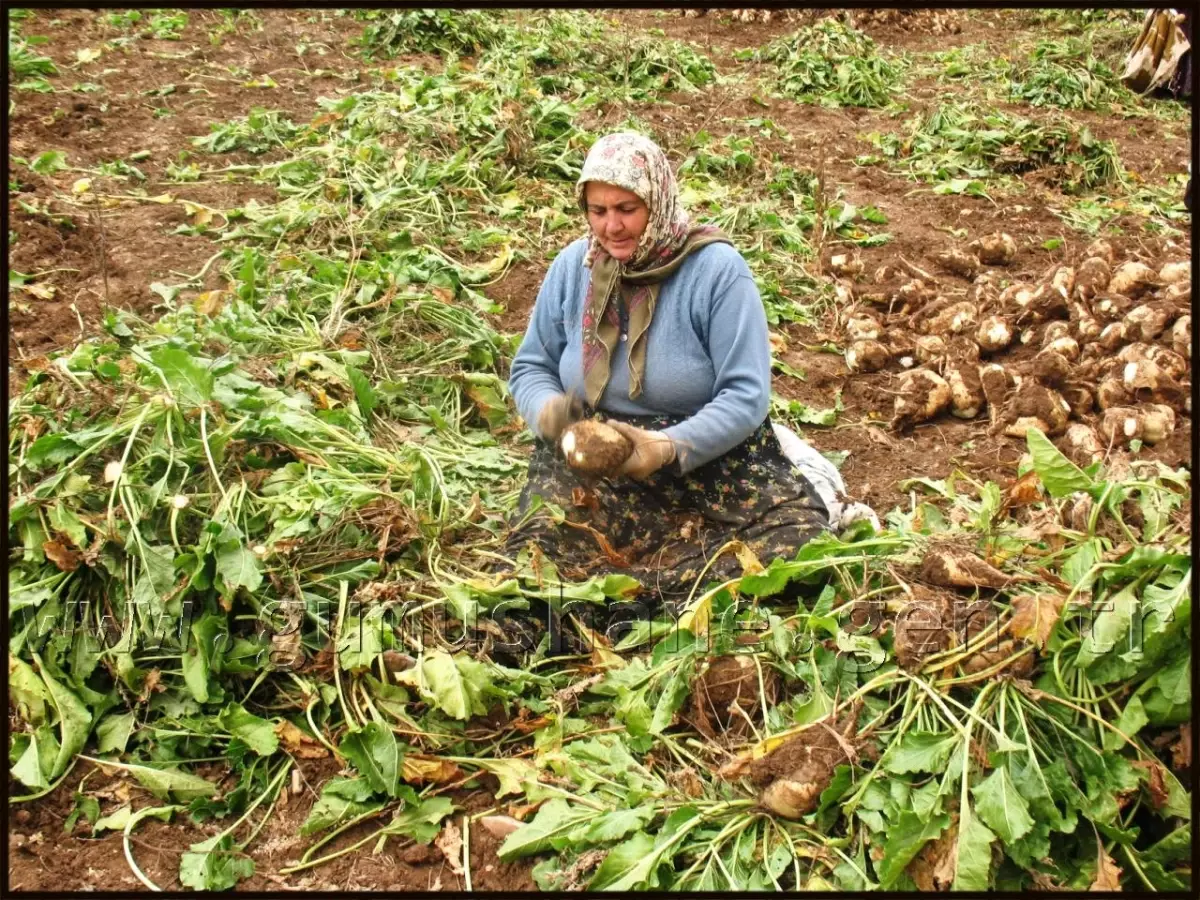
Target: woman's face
point(617, 218)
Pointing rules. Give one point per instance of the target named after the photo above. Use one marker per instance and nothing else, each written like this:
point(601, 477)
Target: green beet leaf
point(257, 733)
point(341, 800)
point(974, 855)
point(1060, 476)
point(905, 838)
point(421, 821)
point(74, 721)
point(374, 751)
point(189, 381)
point(114, 730)
point(628, 864)
point(921, 751)
point(1000, 806)
point(28, 768)
point(555, 818)
point(214, 865)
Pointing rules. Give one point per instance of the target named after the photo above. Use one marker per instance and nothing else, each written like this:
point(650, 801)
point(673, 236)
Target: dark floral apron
point(664, 530)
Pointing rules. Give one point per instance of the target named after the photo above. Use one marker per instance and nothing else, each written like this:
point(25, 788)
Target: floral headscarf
point(637, 164)
point(634, 162)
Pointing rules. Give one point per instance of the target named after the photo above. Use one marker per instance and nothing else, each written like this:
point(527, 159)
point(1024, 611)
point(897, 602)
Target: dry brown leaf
point(151, 683)
point(953, 567)
point(429, 770)
point(878, 436)
point(1039, 525)
point(1181, 751)
point(451, 844)
point(312, 459)
point(1035, 615)
point(687, 781)
point(526, 723)
point(934, 867)
point(946, 855)
point(1108, 874)
point(1157, 783)
point(522, 811)
point(1025, 490)
point(1044, 882)
point(297, 743)
point(61, 555)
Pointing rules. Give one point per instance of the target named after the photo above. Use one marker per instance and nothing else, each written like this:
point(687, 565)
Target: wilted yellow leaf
point(209, 303)
point(82, 186)
point(747, 559)
point(41, 291)
point(429, 770)
point(201, 215)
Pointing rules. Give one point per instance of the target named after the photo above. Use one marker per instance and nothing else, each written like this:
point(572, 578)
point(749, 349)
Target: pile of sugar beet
point(1109, 342)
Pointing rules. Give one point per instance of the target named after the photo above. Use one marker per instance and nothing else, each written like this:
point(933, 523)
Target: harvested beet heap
point(1108, 333)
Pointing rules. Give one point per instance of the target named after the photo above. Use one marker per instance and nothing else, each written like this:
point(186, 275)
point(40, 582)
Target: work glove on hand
point(557, 413)
point(651, 451)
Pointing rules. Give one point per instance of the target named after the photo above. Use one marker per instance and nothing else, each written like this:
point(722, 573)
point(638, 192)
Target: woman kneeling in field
point(655, 324)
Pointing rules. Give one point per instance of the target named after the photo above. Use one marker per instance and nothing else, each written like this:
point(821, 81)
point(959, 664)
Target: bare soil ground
point(110, 257)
